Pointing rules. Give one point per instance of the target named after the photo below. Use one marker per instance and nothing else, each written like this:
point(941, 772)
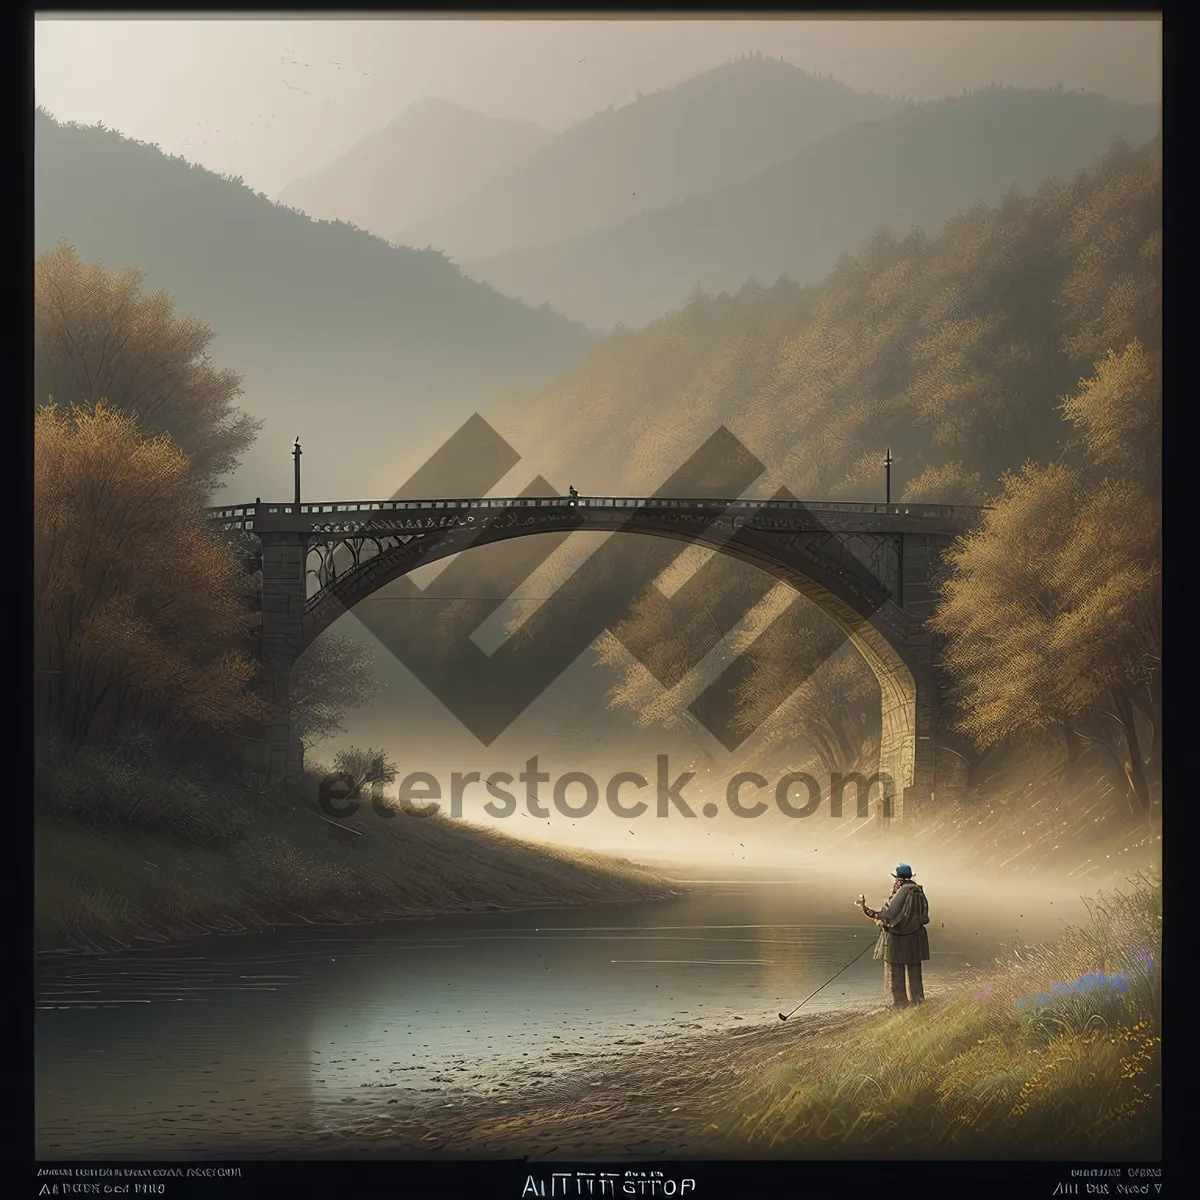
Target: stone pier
point(276, 755)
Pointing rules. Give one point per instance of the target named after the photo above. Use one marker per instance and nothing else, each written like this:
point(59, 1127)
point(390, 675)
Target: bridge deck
point(841, 514)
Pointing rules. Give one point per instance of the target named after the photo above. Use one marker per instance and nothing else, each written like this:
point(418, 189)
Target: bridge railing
point(247, 512)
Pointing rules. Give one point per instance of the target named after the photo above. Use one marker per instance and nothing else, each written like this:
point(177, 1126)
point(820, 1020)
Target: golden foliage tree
point(807, 686)
point(99, 336)
point(1052, 609)
point(1118, 412)
point(137, 613)
point(950, 483)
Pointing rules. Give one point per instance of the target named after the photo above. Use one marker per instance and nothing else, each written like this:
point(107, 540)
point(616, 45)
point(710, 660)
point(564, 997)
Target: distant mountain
point(716, 128)
point(361, 349)
point(916, 167)
point(431, 156)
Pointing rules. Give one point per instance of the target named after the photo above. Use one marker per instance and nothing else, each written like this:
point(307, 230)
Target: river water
point(241, 1044)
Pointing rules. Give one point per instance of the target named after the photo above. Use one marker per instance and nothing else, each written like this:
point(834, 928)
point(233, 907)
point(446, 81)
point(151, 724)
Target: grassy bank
point(1055, 1051)
point(130, 851)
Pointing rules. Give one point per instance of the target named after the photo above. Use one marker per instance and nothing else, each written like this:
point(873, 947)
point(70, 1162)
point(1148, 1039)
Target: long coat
point(903, 938)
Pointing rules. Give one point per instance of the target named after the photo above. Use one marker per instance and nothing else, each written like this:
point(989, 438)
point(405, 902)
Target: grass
point(1056, 1052)
point(129, 850)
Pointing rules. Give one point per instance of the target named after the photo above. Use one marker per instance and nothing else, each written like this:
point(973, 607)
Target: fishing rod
point(870, 945)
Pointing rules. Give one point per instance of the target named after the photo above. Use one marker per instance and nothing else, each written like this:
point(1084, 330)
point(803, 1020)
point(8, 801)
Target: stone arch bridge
point(869, 566)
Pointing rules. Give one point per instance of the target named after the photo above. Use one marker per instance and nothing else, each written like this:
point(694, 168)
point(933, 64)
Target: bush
point(127, 787)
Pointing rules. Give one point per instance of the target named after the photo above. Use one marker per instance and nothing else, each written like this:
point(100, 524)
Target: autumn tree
point(798, 687)
point(137, 613)
point(949, 483)
point(98, 336)
point(1118, 414)
point(807, 687)
point(1052, 609)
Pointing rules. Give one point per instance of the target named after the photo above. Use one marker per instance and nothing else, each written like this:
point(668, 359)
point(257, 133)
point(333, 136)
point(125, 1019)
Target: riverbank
point(1054, 1051)
point(139, 859)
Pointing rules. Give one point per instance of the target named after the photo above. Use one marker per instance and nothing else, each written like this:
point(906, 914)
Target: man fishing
point(903, 943)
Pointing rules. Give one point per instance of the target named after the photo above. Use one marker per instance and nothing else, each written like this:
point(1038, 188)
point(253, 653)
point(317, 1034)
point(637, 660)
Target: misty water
point(246, 1043)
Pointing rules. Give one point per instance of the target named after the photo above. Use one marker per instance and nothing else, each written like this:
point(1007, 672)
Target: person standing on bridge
point(903, 942)
point(571, 492)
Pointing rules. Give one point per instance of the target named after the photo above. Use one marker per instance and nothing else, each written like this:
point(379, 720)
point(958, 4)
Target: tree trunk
point(1075, 747)
point(1135, 768)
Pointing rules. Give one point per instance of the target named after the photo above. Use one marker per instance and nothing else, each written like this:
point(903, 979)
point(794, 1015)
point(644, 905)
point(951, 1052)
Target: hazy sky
point(271, 99)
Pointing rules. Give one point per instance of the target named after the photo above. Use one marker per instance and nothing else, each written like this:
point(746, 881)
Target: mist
point(230, 93)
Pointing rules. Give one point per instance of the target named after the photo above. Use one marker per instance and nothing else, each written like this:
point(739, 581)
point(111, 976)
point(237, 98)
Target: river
point(257, 1043)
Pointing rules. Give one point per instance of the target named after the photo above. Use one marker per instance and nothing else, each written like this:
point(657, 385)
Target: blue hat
point(903, 871)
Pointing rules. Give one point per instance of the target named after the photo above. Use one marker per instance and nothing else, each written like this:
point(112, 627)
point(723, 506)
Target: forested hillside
point(914, 168)
point(949, 347)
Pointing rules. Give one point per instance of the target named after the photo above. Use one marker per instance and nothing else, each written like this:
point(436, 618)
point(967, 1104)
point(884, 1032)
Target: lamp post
point(296, 452)
point(887, 464)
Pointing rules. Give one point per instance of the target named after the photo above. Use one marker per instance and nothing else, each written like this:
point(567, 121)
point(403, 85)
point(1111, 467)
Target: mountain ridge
point(427, 156)
point(913, 168)
point(724, 124)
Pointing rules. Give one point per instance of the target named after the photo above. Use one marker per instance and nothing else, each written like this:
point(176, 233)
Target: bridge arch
point(863, 610)
point(866, 566)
